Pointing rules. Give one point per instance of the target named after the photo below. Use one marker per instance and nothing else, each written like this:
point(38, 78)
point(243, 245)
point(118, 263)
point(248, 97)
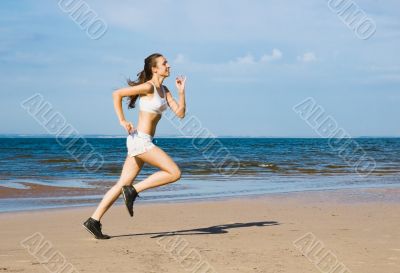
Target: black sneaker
point(94, 227)
point(129, 193)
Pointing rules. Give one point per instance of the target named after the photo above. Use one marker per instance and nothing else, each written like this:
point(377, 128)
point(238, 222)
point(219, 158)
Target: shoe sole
point(126, 206)
point(97, 238)
point(90, 231)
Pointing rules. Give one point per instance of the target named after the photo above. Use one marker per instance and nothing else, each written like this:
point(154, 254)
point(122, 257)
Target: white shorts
point(138, 142)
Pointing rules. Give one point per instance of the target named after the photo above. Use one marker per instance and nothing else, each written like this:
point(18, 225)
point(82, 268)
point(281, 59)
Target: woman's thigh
point(159, 159)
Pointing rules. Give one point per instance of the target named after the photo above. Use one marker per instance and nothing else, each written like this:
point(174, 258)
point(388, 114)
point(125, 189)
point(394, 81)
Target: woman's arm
point(178, 108)
point(118, 94)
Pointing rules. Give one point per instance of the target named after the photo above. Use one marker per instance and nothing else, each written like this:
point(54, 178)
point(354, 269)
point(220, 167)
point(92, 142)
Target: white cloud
point(136, 16)
point(307, 57)
point(259, 21)
point(276, 55)
point(20, 57)
point(380, 73)
point(380, 68)
point(248, 59)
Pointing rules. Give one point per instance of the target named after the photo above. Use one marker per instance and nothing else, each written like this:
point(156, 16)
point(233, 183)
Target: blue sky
point(247, 64)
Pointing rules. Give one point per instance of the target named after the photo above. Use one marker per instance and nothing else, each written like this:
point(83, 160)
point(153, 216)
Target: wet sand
point(352, 230)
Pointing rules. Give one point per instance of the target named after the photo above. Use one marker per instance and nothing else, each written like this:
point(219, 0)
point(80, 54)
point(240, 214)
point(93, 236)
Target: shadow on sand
point(219, 229)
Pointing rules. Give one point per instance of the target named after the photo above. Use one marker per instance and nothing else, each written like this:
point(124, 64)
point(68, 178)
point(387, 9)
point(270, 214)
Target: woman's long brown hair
point(143, 76)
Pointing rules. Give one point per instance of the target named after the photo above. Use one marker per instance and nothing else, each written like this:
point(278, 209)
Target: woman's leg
point(131, 169)
point(169, 171)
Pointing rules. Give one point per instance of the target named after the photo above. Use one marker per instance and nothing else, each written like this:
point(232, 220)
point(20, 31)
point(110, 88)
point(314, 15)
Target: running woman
point(155, 98)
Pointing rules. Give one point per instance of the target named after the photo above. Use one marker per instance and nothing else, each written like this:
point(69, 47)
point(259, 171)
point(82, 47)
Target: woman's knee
point(175, 174)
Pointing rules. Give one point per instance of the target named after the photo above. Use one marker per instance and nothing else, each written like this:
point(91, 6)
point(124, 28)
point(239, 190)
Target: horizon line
point(175, 136)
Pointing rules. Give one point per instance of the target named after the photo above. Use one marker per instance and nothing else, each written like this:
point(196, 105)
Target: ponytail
point(143, 76)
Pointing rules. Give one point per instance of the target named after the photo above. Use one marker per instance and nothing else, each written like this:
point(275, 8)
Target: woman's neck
point(157, 81)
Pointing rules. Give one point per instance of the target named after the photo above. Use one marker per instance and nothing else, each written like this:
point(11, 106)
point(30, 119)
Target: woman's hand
point(128, 126)
point(180, 83)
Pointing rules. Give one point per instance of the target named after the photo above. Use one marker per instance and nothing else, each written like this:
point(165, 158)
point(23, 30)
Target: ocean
point(39, 173)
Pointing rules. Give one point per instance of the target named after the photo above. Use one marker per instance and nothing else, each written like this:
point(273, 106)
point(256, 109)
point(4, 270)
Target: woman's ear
point(154, 69)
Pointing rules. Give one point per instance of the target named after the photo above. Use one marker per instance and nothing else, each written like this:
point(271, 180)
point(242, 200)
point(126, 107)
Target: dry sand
point(356, 230)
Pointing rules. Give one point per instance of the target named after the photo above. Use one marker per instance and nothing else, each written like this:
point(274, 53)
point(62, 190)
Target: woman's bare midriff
point(147, 122)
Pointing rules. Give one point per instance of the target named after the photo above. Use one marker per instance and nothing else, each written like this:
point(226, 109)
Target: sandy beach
point(261, 136)
point(339, 231)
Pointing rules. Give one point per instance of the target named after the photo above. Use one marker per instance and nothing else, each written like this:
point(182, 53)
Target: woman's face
point(162, 68)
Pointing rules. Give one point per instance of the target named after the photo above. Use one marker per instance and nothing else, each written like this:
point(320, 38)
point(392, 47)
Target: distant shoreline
point(178, 136)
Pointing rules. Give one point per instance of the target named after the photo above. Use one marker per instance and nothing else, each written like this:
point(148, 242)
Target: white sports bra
point(154, 105)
